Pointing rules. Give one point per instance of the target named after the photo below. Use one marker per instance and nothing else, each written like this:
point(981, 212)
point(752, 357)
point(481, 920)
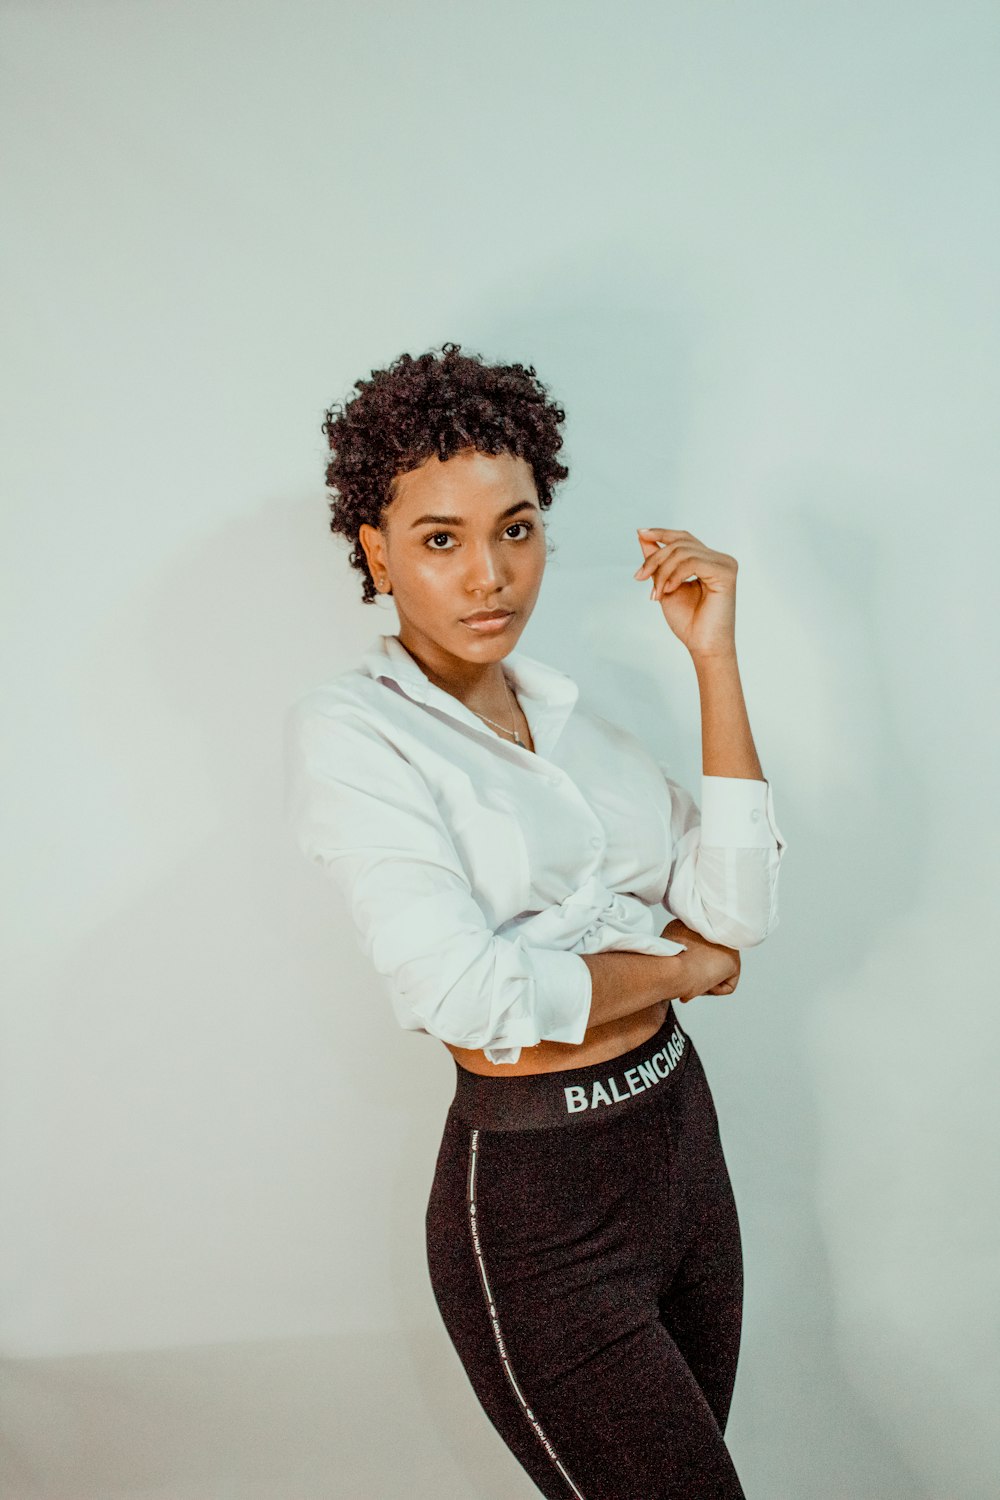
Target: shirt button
point(755, 814)
point(596, 841)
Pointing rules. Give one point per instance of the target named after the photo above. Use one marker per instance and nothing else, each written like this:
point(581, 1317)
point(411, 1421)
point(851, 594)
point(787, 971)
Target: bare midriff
point(600, 1043)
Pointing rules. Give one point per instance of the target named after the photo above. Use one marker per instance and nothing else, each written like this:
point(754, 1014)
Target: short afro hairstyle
point(420, 407)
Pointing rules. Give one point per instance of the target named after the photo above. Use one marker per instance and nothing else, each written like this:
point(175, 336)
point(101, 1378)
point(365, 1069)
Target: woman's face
point(459, 537)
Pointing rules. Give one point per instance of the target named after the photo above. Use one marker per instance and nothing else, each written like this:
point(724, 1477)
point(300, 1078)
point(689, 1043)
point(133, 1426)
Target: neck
point(481, 686)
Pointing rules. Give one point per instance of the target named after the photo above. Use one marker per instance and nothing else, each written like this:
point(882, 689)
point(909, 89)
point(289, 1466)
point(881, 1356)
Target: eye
point(528, 526)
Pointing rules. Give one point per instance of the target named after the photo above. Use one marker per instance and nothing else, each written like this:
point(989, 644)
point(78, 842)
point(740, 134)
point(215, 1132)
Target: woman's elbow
point(733, 932)
point(446, 1011)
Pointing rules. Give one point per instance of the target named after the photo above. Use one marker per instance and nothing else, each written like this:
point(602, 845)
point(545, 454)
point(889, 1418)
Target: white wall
point(752, 249)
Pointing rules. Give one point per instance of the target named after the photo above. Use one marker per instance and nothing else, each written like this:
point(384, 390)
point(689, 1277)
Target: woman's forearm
point(624, 982)
point(727, 747)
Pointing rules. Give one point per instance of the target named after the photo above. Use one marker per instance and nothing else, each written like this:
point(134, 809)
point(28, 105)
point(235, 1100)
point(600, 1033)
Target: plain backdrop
point(753, 251)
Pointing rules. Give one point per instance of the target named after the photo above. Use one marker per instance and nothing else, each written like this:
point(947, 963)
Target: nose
point(485, 572)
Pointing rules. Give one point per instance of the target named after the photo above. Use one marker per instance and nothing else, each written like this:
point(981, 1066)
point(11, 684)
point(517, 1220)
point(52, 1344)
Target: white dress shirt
point(477, 872)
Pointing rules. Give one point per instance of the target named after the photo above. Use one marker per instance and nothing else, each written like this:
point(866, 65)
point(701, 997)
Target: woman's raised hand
point(696, 587)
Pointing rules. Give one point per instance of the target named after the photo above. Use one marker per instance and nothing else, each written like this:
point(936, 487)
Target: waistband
point(575, 1096)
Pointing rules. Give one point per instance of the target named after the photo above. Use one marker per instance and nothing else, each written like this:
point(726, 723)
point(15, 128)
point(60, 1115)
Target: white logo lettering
point(632, 1079)
point(641, 1077)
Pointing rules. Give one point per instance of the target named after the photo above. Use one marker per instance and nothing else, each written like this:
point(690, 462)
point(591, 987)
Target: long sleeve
point(723, 879)
point(362, 811)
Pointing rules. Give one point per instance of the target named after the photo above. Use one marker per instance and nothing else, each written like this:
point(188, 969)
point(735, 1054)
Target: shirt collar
point(547, 696)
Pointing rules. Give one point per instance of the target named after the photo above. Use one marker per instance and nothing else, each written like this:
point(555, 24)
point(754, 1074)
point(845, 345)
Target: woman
point(502, 850)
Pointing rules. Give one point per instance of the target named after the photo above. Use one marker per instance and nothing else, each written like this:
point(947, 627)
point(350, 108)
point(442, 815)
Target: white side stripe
point(491, 1307)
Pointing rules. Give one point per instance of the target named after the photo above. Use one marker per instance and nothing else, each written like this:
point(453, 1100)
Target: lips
point(493, 614)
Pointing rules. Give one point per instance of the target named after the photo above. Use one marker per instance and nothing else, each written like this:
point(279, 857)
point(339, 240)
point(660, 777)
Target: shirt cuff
point(563, 992)
point(737, 813)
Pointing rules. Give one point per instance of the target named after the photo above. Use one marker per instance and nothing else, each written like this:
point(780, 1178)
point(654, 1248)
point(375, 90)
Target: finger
point(656, 559)
point(675, 572)
point(673, 556)
point(660, 533)
point(724, 987)
point(673, 579)
point(669, 568)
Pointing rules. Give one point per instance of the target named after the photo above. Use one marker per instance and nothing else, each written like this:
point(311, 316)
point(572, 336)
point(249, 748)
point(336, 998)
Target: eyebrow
point(457, 520)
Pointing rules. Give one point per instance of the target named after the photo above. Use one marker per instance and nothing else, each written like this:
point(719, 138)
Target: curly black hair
point(418, 407)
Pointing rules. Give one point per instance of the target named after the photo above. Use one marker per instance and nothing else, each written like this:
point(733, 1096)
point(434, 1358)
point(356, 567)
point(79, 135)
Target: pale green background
point(753, 250)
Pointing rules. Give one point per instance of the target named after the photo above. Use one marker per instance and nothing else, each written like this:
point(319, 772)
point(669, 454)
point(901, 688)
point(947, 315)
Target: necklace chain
point(514, 731)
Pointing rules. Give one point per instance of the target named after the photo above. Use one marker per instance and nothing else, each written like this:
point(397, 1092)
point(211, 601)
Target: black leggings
point(584, 1251)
